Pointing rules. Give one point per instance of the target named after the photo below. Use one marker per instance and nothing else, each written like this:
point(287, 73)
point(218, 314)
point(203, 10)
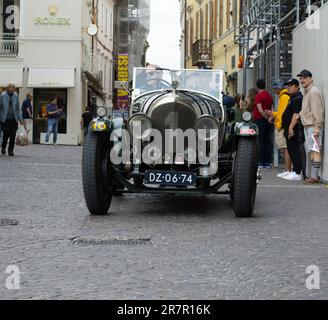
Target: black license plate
point(168, 178)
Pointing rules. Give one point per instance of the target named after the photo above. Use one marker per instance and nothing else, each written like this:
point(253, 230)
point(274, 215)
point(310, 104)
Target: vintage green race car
point(178, 139)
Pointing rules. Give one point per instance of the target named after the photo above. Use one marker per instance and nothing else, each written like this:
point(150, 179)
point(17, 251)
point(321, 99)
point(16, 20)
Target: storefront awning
point(51, 78)
point(11, 74)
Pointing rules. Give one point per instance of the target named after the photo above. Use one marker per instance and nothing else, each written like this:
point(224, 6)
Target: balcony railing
point(8, 45)
point(202, 53)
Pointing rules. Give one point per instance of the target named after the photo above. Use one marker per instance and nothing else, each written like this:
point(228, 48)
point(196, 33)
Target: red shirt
point(265, 99)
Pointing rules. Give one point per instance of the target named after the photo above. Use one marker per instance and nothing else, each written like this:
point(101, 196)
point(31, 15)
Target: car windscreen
point(206, 81)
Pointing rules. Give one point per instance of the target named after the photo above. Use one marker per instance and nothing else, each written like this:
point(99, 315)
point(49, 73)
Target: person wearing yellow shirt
point(278, 87)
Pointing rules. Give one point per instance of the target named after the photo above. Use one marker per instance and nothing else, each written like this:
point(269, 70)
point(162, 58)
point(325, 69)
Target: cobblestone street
point(198, 249)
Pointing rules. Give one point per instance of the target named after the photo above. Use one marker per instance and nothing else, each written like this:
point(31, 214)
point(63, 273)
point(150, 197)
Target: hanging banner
point(122, 103)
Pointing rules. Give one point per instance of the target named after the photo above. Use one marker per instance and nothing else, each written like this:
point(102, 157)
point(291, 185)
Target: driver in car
point(154, 79)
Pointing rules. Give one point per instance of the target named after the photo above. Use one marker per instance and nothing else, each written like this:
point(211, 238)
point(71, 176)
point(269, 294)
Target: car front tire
point(97, 192)
point(245, 178)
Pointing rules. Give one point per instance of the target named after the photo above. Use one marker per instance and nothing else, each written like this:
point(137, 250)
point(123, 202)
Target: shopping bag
point(22, 137)
point(315, 144)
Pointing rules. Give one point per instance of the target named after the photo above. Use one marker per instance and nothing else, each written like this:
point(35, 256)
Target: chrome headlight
point(247, 116)
point(140, 126)
point(209, 126)
point(101, 112)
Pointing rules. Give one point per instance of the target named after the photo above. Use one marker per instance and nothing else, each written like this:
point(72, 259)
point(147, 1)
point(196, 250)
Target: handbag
point(22, 137)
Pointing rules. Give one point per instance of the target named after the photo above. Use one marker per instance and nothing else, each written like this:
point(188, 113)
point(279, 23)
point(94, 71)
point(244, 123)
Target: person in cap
point(293, 130)
point(10, 115)
point(263, 102)
point(280, 90)
point(312, 117)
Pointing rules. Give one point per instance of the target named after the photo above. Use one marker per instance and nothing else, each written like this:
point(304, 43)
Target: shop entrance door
point(41, 100)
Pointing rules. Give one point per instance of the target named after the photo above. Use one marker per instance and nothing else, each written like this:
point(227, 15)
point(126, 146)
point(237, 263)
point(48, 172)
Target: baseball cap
point(278, 84)
point(305, 73)
point(292, 82)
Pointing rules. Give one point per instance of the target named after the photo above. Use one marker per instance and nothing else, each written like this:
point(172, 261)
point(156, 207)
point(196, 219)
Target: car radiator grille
point(173, 116)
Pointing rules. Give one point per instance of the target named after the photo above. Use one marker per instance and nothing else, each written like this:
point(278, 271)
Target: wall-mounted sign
point(51, 78)
point(123, 76)
point(52, 19)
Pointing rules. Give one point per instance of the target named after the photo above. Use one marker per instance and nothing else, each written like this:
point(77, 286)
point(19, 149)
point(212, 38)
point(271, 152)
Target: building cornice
point(79, 39)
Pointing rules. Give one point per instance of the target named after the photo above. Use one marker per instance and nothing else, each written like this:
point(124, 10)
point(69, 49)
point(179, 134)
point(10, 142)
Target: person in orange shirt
point(278, 87)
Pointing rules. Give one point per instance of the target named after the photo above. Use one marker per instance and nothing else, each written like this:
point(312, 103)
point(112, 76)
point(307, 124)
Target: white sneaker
point(283, 174)
point(293, 176)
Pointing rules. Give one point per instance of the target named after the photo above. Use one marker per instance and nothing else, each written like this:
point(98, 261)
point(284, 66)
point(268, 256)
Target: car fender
point(101, 125)
point(246, 129)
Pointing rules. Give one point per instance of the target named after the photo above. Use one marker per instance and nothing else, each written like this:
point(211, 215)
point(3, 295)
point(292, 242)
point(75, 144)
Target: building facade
point(46, 51)
point(266, 35)
point(98, 53)
point(210, 30)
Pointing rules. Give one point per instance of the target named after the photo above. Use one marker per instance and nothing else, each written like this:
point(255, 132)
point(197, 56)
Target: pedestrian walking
point(280, 90)
point(87, 117)
point(27, 112)
point(263, 103)
point(10, 115)
point(53, 112)
point(312, 117)
point(293, 130)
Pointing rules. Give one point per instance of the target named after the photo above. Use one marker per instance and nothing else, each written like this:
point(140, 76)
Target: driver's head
point(153, 76)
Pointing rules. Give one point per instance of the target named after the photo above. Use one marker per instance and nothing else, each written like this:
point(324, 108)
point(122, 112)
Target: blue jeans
point(52, 128)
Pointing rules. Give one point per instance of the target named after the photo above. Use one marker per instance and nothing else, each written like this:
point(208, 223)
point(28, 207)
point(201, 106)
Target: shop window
point(41, 100)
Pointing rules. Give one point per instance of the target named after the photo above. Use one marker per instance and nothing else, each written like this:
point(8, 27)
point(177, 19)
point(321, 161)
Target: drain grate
point(111, 241)
point(8, 222)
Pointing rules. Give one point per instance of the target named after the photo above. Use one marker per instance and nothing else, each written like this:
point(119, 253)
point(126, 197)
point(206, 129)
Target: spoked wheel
point(244, 184)
point(96, 174)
